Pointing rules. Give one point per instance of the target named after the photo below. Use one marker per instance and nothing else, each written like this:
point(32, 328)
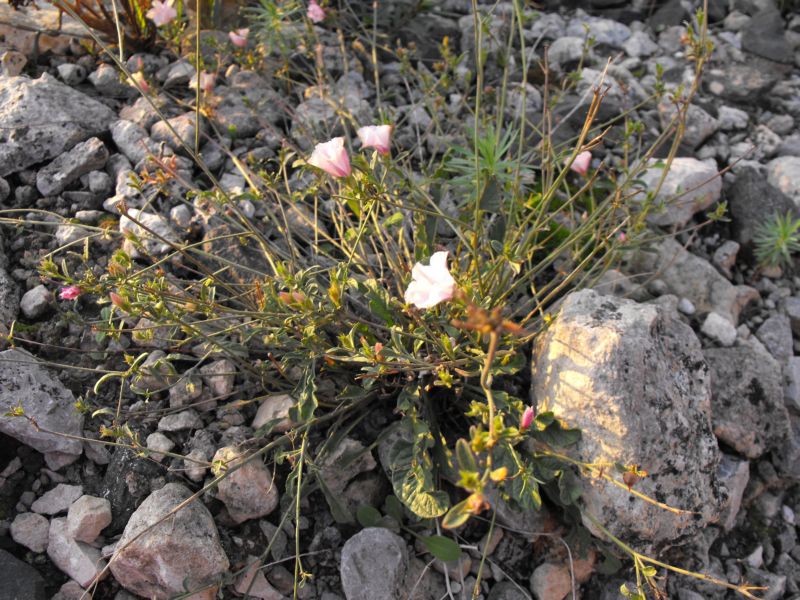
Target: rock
point(747, 410)
point(57, 500)
point(639, 45)
point(194, 465)
point(528, 107)
point(565, 51)
point(133, 141)
point(31, 530)
point(42, 118)
point(633, 379)
point(80, 561)
point(553, 581)
point(71, 73)
point(106, 80)
point(343, 463)
point(219, 377)
point(373, 565)
point(246, 105)
point(792, 391)
point(184, 128)
point(784, 174)
point(126, 484)
point(87, 517)
point(689, 276)
point(249, 492)
point(185, 391)
point(604, 31)
point(68, 167)
point(186, 419)
point(731, 119)
point(23, 382)
point(725, 257)
point(36, 302)
point(275, 406)
point(764, 36)
point(19, 580)
point(253, 584)
point(71, 590)
point(776, 335)
point(317, 119)
point(787, 457)
point(689, 187)
point(734, 475)
point(719, 329)
point(753, 202)
point(427, 30)
point(699, 127)
point(744, 82)
point(141, 224)
point(183, 550)
point(181, 215)
point(9, 299)
point(506, 590)
point(158, 443)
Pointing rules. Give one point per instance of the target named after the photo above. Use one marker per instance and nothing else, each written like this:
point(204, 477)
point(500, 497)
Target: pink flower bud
point(430, 284)
point(239, 37)
point(70, 292)
point(161, 13)
point(332, 158)
point(315, 12)
point(139, 78)
point(376, 136)
point(581, 163)
point(207, 81)
point(527, 418)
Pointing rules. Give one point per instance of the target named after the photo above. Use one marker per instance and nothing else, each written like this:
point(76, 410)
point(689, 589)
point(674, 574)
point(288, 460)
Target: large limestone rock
point(43, 398)
point(183, 549)
point(374, 565)
point(42, 118)
point(689, 276)
point(633, 379)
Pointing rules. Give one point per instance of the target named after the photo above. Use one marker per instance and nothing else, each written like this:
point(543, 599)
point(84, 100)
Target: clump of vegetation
point(777, 240)
point(369, 277)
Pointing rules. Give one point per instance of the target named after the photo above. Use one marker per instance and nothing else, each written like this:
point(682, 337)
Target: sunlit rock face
point(632, 378)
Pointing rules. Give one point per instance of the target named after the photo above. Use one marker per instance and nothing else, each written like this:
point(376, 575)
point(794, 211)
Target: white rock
point(219, 376)
point(80, 561)
point(276, 406)
point(719, 329)
point(249, 492)
point(87, 517)
point(57, 500)
point(32, 530)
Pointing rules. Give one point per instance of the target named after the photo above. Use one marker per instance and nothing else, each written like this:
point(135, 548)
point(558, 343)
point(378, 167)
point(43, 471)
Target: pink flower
point(622, 237)
point(70, 292)
point(581, 163)
point(430, 284)
point(527, 418)
point(207, 81)
point(376, 136)
point(161, 13)
point(138, 77)
point(315, 12)
point(331, 157)
point(239, 37)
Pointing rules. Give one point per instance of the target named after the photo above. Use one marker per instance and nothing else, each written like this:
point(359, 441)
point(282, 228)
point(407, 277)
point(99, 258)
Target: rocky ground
point(687, 352)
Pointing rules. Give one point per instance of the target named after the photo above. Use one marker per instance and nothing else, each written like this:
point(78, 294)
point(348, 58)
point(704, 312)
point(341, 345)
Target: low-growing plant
point(777, 240)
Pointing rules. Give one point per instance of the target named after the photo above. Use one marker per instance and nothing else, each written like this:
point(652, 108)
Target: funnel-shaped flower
point(139, 78)
point(331, 157)
point(376, 136)
point(239, 37)
point(161, 13)
point(207, 81)
point(527, 418)
point(581, 163)
point(315, 12)
point(70, 292)
point(431, 284)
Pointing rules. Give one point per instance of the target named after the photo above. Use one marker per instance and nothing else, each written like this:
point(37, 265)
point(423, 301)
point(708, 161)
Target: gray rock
point(158, 443)
point(784, 174)
point(532, 106)
point(787, 457)
point(80, 561)
point(506, 590)
point(31, 530)
point(133, 141)
point(604, 31)
point(9, 298)
point(544, 25)
point(36, 302)
point(126, 484)
point(23, 382)
point(184, 128)
point(719, 329)
point(68, 167)
point(792, 391)
point(20, 580)
point(764, 36)
point(639, 45)
point(343, 463)
point(57, 500)
point(747, 410)
point(689, 187)
point(5, 190)
point(275, 406)
point(776, 335)
point(183, 550)
point(106, 80)
point(734, 474)
point(565, 51)
point(246, 105)
point(725, 257)
point(178, 73)
point(187, 419)
point(12, 63)
point(87, 517)
point(71, 73)
point(744, 82)
point(219, 377)
point(373, 565)
point(731, 119)
point(153, 230)
point(689, 276)
point(42, 118)
point(699, 126)
point(248, 492)
point(633, 379)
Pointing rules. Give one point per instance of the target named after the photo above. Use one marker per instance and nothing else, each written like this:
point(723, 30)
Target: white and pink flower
point(581, 163)
point(161, 13)
point(332, 158)
point(239, 37)
point(315, 12)
point(70, 292)
point(430, 284)
point(207, 81)
point(376, 136)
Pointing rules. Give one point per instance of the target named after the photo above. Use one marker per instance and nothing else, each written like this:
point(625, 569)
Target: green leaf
point(466, 460)
point(393, 507)
point(368, 516)
point(557, 434)
point(569, 487)
point(306, 395)
point(456, 516)
point(649, 571)
point(442, 547)
point(338, 509)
